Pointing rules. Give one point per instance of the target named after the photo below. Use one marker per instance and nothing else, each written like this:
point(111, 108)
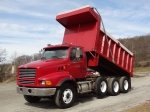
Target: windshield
point(55, 53)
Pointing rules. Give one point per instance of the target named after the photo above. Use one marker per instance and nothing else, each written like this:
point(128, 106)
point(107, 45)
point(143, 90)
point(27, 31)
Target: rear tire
point(65, 96)
point(101, 86)
point(32, 99)
point(124, 84)
point(113, 86)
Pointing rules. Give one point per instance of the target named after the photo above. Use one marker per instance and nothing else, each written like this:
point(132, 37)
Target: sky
point(26, 26)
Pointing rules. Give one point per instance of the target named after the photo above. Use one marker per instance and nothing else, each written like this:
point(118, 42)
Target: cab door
point(77, 67)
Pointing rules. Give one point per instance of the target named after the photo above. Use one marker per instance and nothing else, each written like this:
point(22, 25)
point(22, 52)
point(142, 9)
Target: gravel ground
point(10, 101)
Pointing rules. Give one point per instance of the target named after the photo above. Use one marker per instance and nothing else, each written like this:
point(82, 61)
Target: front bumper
point(36, 91)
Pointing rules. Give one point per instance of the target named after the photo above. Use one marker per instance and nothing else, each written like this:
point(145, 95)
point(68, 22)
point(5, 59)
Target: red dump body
point(82, 28)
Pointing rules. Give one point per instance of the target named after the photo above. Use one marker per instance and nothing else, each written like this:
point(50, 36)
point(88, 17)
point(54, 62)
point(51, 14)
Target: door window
point(73, 54)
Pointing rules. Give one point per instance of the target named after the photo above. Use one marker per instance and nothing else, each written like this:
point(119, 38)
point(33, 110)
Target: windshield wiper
point(55, 57)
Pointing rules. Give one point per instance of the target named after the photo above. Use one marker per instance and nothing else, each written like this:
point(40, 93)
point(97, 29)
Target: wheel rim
point(67, 96)
point(103, 86)
point(116, 86)
point(126, 85)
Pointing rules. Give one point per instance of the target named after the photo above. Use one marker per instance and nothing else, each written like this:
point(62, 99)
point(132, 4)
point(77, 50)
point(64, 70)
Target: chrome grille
point(27, 73)
point(26, 81)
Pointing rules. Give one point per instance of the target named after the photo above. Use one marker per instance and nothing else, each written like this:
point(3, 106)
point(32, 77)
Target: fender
point(67, 80)
point(57, 78)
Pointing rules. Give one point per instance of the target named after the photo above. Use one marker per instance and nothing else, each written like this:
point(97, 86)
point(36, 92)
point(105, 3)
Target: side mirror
point(78, 53)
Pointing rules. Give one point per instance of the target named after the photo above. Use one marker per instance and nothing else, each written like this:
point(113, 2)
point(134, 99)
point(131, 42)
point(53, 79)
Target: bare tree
point(3, 54)
point(14, 57)
point(2, 65)
point(36, 56)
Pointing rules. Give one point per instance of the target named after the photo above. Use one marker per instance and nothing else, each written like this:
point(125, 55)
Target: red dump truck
point(89, 60)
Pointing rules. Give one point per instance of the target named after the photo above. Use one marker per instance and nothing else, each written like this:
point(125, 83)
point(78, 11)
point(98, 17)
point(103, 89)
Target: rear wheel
point(101, 86)
point(124, 84)
point(65, 96)
point(113, 86)
point(32, 99)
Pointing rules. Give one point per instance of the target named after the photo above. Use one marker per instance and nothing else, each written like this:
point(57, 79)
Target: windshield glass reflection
point(57, 53)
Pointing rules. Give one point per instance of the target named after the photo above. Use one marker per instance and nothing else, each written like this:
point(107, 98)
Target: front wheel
point(65, 96)
point(32, 99)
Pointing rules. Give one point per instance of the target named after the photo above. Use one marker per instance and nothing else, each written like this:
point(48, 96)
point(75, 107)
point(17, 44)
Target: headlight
point(47, 83)
point(43, 82)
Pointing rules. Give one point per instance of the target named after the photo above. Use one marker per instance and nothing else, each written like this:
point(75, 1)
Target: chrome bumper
point(36, 91)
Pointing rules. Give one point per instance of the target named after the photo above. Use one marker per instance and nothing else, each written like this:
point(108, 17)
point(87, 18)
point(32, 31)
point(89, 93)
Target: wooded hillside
point(140, 46)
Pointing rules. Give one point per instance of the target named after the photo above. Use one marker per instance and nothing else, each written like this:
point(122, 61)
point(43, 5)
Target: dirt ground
point(10, 101)
point(144, 107)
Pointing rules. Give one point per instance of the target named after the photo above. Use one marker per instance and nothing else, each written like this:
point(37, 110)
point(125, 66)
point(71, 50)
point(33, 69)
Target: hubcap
point(103, 86)
point(67, 96)
point(116, 86)
point(126, 85)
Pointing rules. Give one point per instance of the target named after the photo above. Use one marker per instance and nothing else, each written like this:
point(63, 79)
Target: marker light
point(61, 68)
point(64, 67)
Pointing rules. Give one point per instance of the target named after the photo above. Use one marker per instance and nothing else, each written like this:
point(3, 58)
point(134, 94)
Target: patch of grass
point(141, 69)
point(145, 107)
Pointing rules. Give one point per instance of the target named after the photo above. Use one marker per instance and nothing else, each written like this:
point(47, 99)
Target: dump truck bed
point(104, 52)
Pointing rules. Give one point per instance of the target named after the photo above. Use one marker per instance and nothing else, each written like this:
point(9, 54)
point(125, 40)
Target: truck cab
point(73, 58)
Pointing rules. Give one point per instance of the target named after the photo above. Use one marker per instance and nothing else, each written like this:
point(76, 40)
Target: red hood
point(43, 67)
point(43, 63)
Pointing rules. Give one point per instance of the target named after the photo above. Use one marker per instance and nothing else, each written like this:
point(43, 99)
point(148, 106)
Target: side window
point(81, 54)
point(73, 54)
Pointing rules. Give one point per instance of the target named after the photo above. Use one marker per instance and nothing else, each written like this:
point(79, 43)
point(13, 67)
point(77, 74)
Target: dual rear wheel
point(124, 84)
point(113, 86)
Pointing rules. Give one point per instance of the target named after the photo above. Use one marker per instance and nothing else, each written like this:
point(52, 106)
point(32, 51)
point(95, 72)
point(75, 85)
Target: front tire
point(32, 99)
point(65, 96)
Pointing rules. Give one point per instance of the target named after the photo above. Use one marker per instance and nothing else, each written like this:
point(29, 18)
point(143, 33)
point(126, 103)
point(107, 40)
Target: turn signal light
point(48, 83)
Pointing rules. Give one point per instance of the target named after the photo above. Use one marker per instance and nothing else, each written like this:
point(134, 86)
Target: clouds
point(131, 19)
point(28, 25)
point(23, 11)
point(15, 37)
point(36, 8)
point(29, 30)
